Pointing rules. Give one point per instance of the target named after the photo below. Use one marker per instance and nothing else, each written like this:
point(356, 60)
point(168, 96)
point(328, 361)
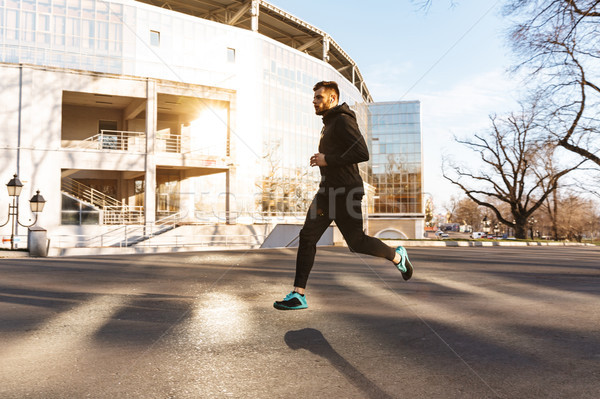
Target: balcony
point(119, 140)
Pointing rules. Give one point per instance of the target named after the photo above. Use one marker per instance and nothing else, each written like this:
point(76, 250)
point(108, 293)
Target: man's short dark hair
point(329, 85)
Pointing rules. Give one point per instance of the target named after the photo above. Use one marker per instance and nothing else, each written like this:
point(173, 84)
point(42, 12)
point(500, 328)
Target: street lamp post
point(532, 223)
point(486, 225)
point(37, 202)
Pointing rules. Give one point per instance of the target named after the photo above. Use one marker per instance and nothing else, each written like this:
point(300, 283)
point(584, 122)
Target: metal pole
point(12, 230)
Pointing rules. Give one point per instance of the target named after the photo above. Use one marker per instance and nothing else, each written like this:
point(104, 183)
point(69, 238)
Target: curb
point(446, 243)
point(58, 252)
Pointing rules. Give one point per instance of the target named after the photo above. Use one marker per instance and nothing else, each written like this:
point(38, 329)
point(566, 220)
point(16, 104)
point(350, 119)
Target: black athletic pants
point(344, 206)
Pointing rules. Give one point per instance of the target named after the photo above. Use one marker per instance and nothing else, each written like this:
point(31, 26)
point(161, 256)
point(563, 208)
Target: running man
point(341, 148)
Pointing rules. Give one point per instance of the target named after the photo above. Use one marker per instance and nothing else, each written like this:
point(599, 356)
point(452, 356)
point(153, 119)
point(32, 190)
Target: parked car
point(478, 234)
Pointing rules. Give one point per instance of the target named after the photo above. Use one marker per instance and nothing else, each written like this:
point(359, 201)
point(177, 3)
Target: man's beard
point(322, 111)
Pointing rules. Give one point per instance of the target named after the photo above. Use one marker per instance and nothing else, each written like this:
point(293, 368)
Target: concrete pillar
point(326, 48)
point(228, 217)
point(37, 241)
point(150, 170)
point(254, 12)
point(419, 228)
point(187, 197)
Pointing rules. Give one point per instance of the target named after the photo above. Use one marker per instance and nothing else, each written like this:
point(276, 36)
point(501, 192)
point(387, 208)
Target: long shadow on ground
point(313, 341)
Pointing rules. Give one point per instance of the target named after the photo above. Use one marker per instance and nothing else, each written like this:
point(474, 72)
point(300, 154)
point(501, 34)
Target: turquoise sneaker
point(292, 301)
point(405, 267)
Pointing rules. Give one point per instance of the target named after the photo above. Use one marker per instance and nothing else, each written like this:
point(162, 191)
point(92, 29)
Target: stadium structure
point(187, 119)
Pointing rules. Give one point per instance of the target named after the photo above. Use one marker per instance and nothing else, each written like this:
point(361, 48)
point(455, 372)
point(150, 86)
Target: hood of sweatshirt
point(338, 110)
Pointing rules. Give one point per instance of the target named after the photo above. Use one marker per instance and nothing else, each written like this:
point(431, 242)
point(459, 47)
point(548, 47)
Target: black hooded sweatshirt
point(344, 147)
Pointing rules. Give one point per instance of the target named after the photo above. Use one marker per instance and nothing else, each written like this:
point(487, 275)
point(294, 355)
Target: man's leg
point(349, 220)
point(316, 222)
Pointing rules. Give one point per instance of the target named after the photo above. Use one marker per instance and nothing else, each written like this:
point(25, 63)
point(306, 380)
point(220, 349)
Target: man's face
point(323, 100)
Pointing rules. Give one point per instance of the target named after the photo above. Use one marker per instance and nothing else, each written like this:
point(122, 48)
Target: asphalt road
point(499, 322)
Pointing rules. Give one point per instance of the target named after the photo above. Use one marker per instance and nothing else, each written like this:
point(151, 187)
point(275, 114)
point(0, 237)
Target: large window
point(80, 34)
point(396, 157)
point(291, 129)
point(74, 212)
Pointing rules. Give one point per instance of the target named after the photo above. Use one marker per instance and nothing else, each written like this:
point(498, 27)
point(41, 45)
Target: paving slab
point(498, 322)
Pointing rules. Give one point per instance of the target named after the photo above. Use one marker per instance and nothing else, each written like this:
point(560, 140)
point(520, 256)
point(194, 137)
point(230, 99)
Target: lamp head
point(37, 202)
point(14, 186)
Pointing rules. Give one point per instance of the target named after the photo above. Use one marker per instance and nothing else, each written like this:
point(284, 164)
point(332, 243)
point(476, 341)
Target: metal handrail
point(177, 241)
point(172, 143)
point(88, 194)
point(126, 235)
point(180, 241)
point(123, 214)
point(120, 140)
point(114, 211)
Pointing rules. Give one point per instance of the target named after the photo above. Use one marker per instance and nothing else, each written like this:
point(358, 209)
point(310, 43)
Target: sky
point(453, 58)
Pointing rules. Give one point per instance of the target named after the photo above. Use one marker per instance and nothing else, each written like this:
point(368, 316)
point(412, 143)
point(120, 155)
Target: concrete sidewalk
point(139, 250)
point(499, 322)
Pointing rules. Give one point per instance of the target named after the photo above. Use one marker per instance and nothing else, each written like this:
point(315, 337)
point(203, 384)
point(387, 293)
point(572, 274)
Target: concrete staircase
point(114, 212)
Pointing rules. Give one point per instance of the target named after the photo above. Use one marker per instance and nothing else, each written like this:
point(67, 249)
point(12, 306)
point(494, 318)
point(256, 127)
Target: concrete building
point(395, 167)
point(129, 113)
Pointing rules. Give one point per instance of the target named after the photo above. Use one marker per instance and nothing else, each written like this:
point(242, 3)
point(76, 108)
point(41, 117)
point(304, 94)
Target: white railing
point(181, 241)
point(119, 140)
point(113, 210)
point(128, 235)
point(123, 214)
point(176, 241)
point(88, 194)
point(171, 143)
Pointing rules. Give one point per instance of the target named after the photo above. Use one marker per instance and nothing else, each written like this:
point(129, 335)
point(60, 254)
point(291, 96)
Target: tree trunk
point(521, 230)
point(555, 216)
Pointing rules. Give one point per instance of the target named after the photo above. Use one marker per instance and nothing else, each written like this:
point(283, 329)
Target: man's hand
point(318, 160)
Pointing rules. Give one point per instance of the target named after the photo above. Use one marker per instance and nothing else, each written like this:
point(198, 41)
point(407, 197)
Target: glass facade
point(291, 129)
point(396, 158)
point(118, 37)
point(271, 125)
point(77, 34)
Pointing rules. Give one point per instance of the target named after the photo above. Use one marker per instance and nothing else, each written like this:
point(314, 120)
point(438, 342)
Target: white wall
point(80, 122)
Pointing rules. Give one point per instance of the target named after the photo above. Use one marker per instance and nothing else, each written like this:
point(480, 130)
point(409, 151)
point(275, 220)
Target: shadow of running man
point(313, 341)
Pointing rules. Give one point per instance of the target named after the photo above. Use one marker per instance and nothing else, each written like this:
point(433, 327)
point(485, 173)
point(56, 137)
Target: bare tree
point(451, 207)
point(283, 192)
point(513, 173)
point(429, 209)
point(425, 5)
point(468, 213)
point(580, 220)
point(557, 42)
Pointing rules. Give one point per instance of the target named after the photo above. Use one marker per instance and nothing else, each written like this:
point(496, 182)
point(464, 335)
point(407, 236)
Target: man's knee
point(306, 238)
point(357, 243)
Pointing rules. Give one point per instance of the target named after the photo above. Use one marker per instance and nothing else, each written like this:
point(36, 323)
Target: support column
point(254, 12)
point(228, 219)
point(150, 175)
point(186, 197)
point(326, 48)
